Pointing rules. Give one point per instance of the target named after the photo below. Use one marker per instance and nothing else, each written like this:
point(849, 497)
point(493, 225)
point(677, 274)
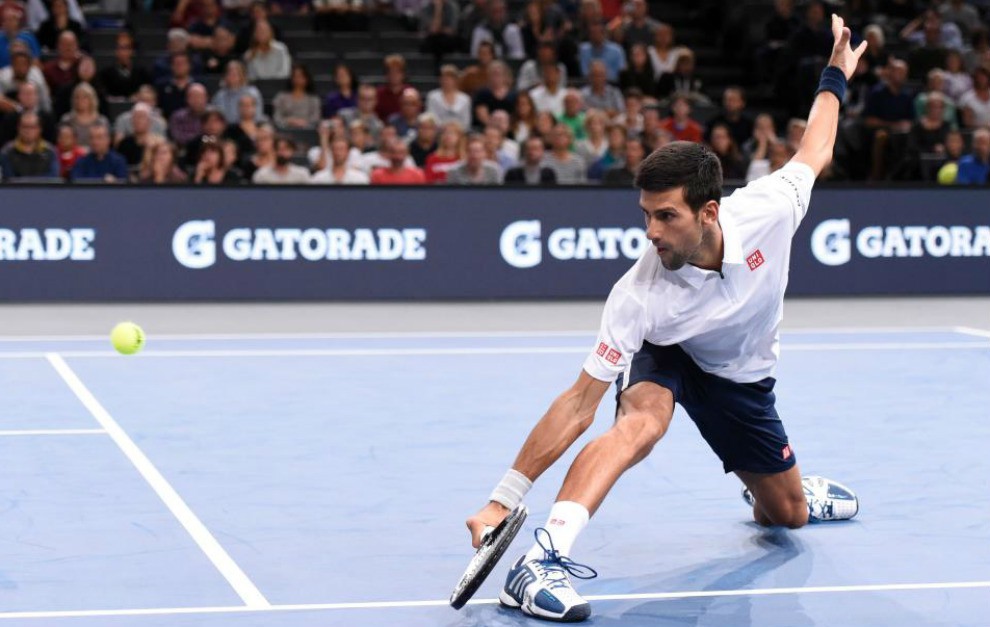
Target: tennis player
point(695, 321)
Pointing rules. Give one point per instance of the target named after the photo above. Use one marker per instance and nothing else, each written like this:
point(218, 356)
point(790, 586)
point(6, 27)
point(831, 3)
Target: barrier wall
point(99, 244)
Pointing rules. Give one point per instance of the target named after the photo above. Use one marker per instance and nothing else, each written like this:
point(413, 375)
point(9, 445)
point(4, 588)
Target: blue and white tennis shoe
point(541, 587)
point(827, 499)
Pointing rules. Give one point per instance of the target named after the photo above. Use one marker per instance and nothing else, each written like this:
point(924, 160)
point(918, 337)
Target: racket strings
point(553, 562)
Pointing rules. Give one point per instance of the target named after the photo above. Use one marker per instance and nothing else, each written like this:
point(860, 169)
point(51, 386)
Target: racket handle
point(487, 531)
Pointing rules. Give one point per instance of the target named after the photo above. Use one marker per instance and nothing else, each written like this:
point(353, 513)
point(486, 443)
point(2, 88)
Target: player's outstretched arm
point(569, 416)
point(823, 121)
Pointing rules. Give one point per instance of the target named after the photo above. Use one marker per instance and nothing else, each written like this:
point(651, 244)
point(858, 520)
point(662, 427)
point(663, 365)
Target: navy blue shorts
point(738, 420)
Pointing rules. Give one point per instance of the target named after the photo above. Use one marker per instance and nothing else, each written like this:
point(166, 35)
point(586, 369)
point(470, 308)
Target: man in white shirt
point(694, 321)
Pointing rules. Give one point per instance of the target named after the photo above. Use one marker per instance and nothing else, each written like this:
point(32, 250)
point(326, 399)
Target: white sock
point(566, 521)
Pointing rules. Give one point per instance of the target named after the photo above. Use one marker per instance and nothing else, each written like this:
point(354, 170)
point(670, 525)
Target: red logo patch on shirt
point(613, 356)
point(755, 260)
point(786, 452)
point(602, 349)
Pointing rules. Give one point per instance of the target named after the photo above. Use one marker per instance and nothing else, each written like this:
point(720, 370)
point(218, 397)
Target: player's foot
point(827, 499)
point(541, 587)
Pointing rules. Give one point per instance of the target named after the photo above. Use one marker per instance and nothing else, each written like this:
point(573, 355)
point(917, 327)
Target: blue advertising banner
point(316, 243)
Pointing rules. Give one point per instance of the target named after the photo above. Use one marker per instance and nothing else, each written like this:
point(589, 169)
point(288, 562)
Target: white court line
point(239, 581)
point(221, 337)
point(972, 331)
point(374, 605)
point(482, 350)
point(16, 432)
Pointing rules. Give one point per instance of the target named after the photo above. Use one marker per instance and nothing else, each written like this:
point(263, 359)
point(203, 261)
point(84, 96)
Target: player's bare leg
point(779, 497)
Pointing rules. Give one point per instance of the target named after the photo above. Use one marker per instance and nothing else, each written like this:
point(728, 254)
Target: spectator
point(890, 105)
point(931, 53)
point(632, 116)
point(535, 31)
point(177, 42)
point(949, 35)
point(764, 133)
point(221, 51)
point(475, 169)
point(11, 30)
point(728, 153)
point(935, 84)
point(974, 167)
point(122, 126)
point(639, 74)
point(449, 152)
point(438, 28)
point(597, 47)
point(623, 175)
point(102, 163)
point(549, 95)
point(497, 95)
point(876, 54)
point(28, 155)
point(159, 165)
point(390, 93)
point(186, 12)
point(339, 171)
point(531, 171)
point(573, 115)
point(503, 122)
point(258, 12)
point(62, 99)
point(777, 31)
point(598, 94)
point(262, 154)
point(663, 53)
point(283, 171)
point(211, 169)
point(21, 71)
point(448, 103)
point(123, 78)
point(680, 124)
point(475, 76)
point(733, 115)
point(231, 157)
point(202, 30)
point(376, 155)
point(297, 107)
point(68, 149)
point(975, 103)
point(963, 15)
point(425, 141)
point(344, 94)
point(172, 93)
point(498, 151)
point(979, 50)
point(214, 129)
point(186, 123)
point(954, 146)
point(132, 147)
point(929, 132)
point(957, 80)
point(498, 29)
point(319, 156)
point(245, 131)
point(267, 57)
point(397, 172)
point(595, 144)
point(26, 101)
point(614, 153)
point(769, 156)
point(523, 120)
point(651, 126)
point(682, 80)
point(62, 70)
point(795, 133)
point(531, 72)
point(637, 27)
point(813, 39)
point(406, 119)
point(568, 167)
point(58, 22)
point(85, 113)
point(234, 86)
point(365, 112)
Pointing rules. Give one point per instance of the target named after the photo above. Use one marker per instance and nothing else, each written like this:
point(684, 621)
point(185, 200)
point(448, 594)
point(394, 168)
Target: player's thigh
point(779, 494)
point(644, 411)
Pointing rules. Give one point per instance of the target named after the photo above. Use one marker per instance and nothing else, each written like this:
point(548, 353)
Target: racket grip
point(487, 531)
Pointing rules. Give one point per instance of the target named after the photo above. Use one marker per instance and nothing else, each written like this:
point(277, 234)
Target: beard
point(281, 161)
point(675, 259)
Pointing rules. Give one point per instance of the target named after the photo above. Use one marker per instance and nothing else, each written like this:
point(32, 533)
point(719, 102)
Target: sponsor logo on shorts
point(786, 452)
point(602, 349)
point(755, 260)
point(613, 356)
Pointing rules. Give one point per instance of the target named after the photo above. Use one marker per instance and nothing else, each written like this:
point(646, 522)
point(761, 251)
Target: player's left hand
point(844, 57)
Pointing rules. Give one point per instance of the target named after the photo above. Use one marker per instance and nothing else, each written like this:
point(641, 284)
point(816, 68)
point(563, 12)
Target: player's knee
point(790, 513)
point(640, 432)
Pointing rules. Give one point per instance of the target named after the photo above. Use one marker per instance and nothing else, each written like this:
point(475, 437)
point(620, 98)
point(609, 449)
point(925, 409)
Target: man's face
point(180, 66)
point(339, 151)
point(561, 138)
point(475, 154)
point(398, 153)
point(99, 140)
point(367, 100)
point(196, 99)
point(20, 65)
point(639, 9)
point(29, 128)
point(223, 41)
point(598, 75)
point(426, 133)
point(676, 232)
point(124, 51)
point(732, 101)
point(596, 32)
point(214, 125)
point(534, 151)
point(681, 108)
point(68, 47)
point(634, 154)
point(11, 21)
point(246, 108)
point(897, 73)
point(27, 95)
point(283, 151)
point(141, 121)
point(410, 106)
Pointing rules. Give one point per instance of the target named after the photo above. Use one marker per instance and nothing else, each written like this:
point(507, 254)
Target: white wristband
point(511, 489)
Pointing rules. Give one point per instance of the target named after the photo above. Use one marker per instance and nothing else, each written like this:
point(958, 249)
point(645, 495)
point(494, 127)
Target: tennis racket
point(493, 545)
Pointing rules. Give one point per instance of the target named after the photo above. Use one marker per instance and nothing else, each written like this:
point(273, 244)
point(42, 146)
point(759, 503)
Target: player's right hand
point(488, 516)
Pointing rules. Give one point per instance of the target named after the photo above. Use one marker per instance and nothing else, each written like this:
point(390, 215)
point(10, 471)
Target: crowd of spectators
point(553, 93)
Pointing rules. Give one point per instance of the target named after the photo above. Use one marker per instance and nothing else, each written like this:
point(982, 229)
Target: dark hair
point(350, 72)
point(683, 164)
point(308, 88)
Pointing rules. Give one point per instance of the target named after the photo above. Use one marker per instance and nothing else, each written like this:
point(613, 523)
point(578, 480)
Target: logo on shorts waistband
point(786, 452)
point(755, 260)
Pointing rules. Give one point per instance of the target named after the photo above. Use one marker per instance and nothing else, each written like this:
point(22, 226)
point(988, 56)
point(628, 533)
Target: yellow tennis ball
point(948, 173)
point(127, 338)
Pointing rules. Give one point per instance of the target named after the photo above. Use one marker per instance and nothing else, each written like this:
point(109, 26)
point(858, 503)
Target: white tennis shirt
point(729, 325)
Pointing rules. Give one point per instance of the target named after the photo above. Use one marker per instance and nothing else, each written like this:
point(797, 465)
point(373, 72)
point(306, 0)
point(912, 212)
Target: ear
point(709, 213)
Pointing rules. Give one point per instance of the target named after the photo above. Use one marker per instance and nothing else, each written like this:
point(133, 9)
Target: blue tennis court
point(323, 480)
